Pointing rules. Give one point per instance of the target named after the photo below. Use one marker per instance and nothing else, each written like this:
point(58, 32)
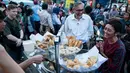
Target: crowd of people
point(18, 22)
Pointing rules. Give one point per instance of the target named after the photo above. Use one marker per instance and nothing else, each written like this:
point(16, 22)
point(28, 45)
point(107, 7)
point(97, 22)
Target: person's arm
point(50, 23)
point(7, 64)
point(20, 31)
point(12, 38)
point(21, 34)
point(8, 34)
point(57, 20)
point(28, 62)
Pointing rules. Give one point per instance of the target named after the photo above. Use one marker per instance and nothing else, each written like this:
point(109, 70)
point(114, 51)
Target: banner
point(68, 3)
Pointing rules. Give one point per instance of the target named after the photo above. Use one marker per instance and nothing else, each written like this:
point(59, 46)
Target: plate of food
point(49, 39)
point(47, 42)
point(42, 45)
point(69, 50)
point(76, 65)
point(84, 62)
point(73, 46)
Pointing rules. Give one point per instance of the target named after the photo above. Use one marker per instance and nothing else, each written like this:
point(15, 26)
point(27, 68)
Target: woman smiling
point(112, 48)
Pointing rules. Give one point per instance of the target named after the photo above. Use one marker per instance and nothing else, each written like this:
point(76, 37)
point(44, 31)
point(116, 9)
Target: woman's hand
point(100, 45)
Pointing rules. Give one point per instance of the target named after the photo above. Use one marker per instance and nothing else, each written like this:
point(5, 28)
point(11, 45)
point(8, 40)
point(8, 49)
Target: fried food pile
point(73, 64)
point(76, 63)
point(72, 42)
point(49, 41)
point(42, 45)
point(73, 46)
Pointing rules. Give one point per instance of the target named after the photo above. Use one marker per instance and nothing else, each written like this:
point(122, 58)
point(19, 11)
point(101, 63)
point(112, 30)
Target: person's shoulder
point(71, 16)
point(86, 16)
point(121, 45)
point(6, 19)
point(48, 13)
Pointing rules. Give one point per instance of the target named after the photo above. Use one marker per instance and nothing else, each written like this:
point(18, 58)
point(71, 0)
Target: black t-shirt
point(1, 39)
point(12, 27)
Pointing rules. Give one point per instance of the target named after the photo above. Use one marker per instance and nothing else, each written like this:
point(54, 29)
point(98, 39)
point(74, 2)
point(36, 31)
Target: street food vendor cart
point(64, 56)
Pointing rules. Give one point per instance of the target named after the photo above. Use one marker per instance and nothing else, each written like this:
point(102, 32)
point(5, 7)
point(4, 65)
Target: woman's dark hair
point(25, 7)
point(45, 6)
point(99, 4)
point(29, 12)
point(88, 9)
point(116, 25)
point(21, 3)
point(1, 16)
point(2, 5)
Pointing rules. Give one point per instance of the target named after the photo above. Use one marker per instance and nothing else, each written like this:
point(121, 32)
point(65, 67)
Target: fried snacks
point(76, 63)
point(72, 42)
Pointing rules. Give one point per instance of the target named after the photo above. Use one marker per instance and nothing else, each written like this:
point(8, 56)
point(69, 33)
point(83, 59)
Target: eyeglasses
point(79, 9)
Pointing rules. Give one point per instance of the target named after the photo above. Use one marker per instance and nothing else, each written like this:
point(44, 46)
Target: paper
point(47, 33)
point(28, 45)
point(36, 37)
point(83, 58)
point(39, 37)
point(93, 51)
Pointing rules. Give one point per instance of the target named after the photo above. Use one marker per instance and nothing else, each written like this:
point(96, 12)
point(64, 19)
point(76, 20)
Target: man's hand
point(37, 59)
point(19, 42)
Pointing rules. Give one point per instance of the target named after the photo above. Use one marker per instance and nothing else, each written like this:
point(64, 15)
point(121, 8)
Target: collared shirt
point(55, 19)
point(45, 18)
point(114, 13)
point(82, 29)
